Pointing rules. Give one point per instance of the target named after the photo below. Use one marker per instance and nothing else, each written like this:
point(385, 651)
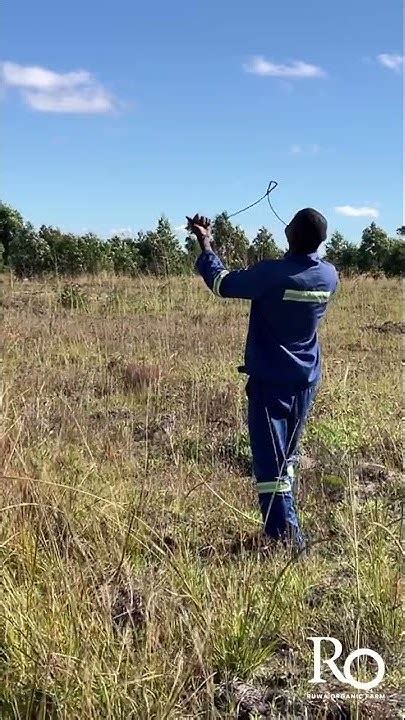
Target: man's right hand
point(200, 226)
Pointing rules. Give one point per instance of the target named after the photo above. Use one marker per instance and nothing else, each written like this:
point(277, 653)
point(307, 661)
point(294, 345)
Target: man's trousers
point(276, 419)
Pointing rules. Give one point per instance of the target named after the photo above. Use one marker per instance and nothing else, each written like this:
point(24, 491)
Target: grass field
point(127, 586)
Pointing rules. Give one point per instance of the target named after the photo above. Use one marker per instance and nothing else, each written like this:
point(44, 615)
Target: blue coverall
point(283, 361)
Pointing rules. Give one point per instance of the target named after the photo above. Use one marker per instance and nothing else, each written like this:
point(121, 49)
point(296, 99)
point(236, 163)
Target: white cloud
point(295, 149)
point(393, 62)
point(123, 233)
point(41, 78)
point(298, 69)
point(81, 101)
point(313, 149)
point(182, 232)
point(48, 91)
point(351, 211)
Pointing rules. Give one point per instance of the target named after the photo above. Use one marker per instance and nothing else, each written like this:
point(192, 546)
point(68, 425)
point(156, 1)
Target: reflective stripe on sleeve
point(217, 282)
point(307, 295)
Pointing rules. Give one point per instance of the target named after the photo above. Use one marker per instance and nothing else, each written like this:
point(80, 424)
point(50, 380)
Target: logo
point(346, 677)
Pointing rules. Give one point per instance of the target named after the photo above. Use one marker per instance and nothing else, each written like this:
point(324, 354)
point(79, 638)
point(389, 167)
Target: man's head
point(306, 231)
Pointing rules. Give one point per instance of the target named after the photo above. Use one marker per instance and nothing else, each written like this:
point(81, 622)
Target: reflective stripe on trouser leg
point(279, 485)
point(274, 417)
point(277, 506)
point(276, 502)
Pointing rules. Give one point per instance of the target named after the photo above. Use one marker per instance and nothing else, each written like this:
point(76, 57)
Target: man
point(282, 357)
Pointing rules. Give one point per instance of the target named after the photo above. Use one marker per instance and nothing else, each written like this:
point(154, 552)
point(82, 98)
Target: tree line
point(30, 252)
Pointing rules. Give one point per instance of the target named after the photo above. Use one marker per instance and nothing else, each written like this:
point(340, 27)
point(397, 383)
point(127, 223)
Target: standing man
point(282, 357)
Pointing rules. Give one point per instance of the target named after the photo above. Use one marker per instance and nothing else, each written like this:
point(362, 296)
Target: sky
point(115, 113)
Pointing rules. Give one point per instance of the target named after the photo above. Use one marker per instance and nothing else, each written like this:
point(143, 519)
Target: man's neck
point(297, 251)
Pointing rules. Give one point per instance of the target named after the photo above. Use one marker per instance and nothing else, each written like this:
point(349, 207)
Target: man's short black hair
point(308, 229)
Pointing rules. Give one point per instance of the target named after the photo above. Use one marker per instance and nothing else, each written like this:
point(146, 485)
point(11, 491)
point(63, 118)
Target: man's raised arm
point(249, 284)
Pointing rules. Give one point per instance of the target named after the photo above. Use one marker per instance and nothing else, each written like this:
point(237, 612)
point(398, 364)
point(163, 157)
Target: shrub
point(29, 254)
point(124, 256)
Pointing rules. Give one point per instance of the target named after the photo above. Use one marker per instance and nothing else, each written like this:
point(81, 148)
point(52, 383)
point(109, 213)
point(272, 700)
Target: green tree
point(29, 253)
point(11, 227)
point(94, 254)
point(230, 241)
point(160, 251)
point(374, 249)
point(124, 255)
point(146, 245)
point(193, 250)
point(394, 261)
point(335, 247)
point(342, 253)
point(169, 247)
point(66, 257)
point(263, 247)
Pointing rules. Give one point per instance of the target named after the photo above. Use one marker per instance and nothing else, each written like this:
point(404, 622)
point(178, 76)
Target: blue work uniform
point(283, 361)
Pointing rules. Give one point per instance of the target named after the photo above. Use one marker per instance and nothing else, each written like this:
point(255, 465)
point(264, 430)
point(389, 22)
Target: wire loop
point(270, 187)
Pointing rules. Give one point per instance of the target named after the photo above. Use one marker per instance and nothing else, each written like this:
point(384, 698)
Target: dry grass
point(127, 589)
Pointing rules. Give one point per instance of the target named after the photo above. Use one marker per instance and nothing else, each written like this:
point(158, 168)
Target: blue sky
point(117, 112)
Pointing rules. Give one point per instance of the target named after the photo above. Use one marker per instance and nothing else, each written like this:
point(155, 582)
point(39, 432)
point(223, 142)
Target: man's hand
point(201, 227)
